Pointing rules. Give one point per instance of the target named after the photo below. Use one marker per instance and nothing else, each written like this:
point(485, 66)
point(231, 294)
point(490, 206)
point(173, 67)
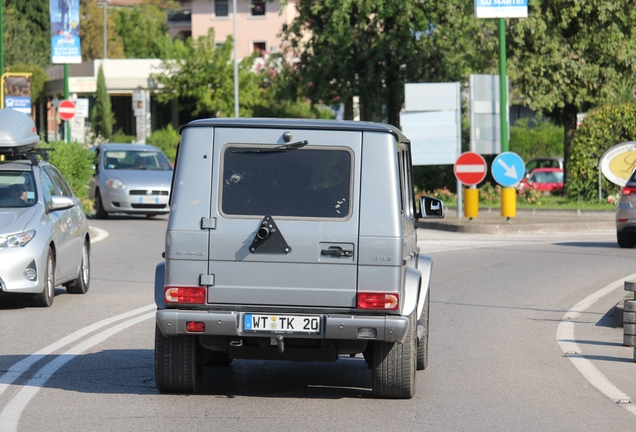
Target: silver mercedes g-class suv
point(293, 240)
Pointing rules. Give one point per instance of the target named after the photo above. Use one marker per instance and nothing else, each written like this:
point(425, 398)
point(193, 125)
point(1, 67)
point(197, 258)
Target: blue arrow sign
point(508, 169)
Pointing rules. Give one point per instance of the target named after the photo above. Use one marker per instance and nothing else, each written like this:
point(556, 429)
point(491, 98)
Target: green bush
point(602, 129)
point(121, 137)
point(489, 194)
point(166, 140)
point(75, 163)
point(531, 138)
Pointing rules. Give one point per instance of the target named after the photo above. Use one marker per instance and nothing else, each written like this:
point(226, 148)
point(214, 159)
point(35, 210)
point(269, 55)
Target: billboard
point(65, 30)
point(16, 92)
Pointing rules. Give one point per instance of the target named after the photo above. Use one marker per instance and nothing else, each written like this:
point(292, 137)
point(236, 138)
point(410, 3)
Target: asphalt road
point(513, 341)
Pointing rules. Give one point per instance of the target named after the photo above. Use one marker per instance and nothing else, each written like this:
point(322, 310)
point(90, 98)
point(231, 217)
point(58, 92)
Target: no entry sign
point(470, 168)
point(66, 110)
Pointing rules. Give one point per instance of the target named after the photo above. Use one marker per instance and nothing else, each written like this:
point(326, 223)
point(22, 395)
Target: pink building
point(258, 24)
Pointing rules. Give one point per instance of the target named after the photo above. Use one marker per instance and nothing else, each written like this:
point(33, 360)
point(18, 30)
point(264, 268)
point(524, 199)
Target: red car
point(543, 179)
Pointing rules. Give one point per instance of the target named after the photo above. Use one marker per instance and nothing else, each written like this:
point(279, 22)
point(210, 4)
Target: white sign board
point(485, 121)
point(139, 103)
point(77, 129)
point(432, 122)
point(501, 8)
point(81, 108)
point(82, 84)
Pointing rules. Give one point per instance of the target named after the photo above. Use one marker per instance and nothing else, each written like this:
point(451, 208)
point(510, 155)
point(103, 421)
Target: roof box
point(17, 132)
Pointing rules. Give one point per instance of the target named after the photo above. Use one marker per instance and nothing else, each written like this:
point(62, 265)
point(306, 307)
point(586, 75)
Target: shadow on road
point(132, 372)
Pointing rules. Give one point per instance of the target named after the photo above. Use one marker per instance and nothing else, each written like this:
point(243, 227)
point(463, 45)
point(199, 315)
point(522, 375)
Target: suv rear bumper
point(389, 328)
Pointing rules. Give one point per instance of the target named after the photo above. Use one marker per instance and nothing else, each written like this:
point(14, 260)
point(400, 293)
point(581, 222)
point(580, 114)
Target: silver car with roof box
point(293, 240)
point(44, 236)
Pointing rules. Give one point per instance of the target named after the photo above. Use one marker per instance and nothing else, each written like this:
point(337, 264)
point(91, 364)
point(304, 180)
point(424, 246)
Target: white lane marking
point(100, 234)
point(11, 413)
point(23, 365)
point(567, 342)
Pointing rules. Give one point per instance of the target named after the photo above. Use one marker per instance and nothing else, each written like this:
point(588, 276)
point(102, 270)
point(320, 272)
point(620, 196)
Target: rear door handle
point(336, 251)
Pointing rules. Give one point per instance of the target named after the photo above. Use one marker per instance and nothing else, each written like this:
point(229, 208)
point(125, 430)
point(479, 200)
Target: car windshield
point(136, 160)
point(17, 189)
point(548, 177)
point(298, 183)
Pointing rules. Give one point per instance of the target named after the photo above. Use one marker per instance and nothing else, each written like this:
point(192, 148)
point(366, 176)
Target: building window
point(260, 48)
point(221, 8)
point(258, 7)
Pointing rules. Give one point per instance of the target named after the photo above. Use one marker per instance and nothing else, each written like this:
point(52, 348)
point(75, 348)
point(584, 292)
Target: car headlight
point(16, 240)
point(116, 183)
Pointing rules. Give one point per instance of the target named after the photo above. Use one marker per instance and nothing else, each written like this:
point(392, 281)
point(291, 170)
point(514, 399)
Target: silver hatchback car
point(130, 178)
point(44, 235)
point(626, 214)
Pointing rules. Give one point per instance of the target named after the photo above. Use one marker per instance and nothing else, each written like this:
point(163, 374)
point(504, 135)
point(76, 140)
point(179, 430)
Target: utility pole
point(105, 6)
point(503, 88)
point(236, 83)
point(1, 39)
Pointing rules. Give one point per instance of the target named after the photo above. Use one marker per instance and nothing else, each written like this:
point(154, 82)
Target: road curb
point(510, 227)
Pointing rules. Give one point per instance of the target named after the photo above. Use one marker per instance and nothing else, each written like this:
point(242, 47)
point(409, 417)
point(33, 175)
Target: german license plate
point(286, 323)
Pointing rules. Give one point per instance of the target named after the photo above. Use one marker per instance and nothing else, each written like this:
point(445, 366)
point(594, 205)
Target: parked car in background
point(130, 178)
point(543, 179)
point(44, 237)
point(543, 162)
point(626, 214)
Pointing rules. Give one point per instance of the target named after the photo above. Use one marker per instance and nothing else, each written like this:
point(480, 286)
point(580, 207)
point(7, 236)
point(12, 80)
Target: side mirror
point(431, 208)
point(59, 202)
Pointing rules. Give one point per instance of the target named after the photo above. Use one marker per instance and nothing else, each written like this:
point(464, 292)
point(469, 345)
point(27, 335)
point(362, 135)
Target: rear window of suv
point(312, 183)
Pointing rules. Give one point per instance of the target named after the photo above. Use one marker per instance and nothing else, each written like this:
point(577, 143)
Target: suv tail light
point(629, 190)
point(378, 301)
point(185, 295)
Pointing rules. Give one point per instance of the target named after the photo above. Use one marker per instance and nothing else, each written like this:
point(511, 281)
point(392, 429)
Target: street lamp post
point(105, 6)
point(236, 84)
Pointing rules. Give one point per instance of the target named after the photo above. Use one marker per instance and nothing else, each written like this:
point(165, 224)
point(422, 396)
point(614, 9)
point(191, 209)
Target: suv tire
point(394, 365)
point(177, 368)
point(626, 240)
point(422, 343)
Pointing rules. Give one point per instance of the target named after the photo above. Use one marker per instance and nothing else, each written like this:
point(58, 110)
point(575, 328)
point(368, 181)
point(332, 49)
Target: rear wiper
point(291, 146)
point(280, 148)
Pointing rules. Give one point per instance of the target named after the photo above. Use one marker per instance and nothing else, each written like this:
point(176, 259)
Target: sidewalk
point(490, 221)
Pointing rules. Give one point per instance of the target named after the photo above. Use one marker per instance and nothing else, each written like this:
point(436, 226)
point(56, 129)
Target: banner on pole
point(65, 30)
point(501, 8)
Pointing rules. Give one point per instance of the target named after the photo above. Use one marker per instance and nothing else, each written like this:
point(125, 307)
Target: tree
point(371, 48)
point(92, 33)
point(569, 56)
point(200, 75)
point(353, 48)
point(140, 26)
point(102, 117)
point(455, 44)
point(27, 30)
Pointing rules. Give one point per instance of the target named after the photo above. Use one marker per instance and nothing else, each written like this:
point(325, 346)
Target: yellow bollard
point(508, 202)
point(471, 203)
